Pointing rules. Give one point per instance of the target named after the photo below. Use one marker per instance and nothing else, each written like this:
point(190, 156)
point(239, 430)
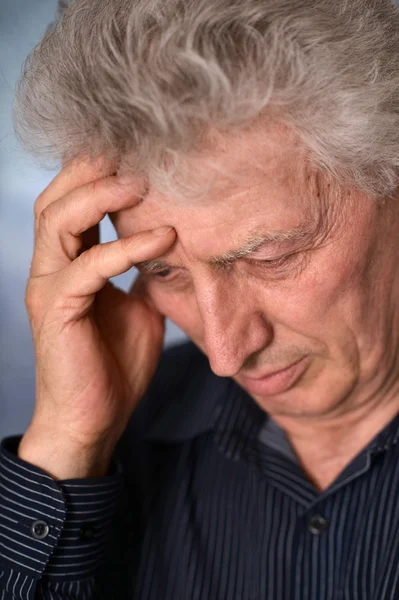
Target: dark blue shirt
point(205, 500)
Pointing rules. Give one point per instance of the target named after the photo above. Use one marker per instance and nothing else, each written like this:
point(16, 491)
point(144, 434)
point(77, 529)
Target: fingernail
point(162, 230)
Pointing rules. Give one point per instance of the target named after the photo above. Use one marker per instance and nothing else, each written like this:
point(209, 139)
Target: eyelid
point(158, 274)
point(281, 260)
point(270, 261)
point(256, 262)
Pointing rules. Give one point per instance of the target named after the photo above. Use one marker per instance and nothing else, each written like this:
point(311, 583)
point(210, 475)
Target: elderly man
point(259, 141)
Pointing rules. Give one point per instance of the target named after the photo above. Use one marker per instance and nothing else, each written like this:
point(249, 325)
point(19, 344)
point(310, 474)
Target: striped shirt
point(204, 500)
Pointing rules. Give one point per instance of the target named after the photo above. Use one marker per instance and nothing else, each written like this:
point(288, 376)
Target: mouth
point(277, 382)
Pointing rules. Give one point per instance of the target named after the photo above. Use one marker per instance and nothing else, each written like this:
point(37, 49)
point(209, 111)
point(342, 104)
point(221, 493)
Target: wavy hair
point(142, 82)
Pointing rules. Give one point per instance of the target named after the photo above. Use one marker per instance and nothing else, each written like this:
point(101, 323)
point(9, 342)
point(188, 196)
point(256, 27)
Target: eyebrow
point(250, 246)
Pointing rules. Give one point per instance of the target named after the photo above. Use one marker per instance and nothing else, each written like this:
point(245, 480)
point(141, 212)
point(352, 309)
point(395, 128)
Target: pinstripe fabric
point(208, 510)
point(72, 510)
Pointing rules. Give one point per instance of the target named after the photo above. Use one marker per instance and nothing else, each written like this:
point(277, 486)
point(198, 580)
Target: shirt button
point(317, 524)
point(40, 530)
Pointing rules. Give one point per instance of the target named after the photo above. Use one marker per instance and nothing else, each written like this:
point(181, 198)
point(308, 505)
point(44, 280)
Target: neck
point(325, 447)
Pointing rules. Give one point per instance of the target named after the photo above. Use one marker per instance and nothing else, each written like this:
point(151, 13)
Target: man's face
point(318, 298)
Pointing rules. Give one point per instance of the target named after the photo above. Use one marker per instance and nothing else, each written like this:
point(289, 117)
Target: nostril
point(225, 366)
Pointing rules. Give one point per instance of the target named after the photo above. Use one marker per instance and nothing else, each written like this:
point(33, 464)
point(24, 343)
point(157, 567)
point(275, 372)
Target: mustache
point(278, 358)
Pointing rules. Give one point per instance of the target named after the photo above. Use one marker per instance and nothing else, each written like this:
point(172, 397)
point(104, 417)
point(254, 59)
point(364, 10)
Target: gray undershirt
point(274, 436)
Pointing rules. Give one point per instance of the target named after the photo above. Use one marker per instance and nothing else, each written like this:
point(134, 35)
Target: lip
point(278, 381)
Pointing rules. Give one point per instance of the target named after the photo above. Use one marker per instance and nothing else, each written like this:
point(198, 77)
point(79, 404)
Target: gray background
point(22, 24)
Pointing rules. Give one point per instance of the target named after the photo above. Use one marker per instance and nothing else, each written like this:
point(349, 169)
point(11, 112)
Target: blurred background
point(22, 24)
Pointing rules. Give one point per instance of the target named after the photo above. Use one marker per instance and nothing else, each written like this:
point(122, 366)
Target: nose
point(234, 325)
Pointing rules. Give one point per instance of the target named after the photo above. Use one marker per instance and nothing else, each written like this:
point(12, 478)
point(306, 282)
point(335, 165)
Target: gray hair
point(141, 82)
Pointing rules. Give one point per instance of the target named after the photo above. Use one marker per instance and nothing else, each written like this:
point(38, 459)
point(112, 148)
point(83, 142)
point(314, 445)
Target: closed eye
point(275, 262)
point(163, 274)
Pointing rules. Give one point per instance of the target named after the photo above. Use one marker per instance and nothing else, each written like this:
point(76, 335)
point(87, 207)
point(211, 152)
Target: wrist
point(62, 459)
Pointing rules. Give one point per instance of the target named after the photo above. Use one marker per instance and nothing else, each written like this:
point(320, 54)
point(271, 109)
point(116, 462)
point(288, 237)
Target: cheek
point(326, 300)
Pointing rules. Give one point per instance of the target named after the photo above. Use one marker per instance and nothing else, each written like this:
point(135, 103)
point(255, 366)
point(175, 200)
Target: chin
point(292, 406)
point(318, 396)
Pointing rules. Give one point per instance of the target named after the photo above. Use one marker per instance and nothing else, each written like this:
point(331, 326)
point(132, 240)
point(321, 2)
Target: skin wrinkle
point(250, 247)
point(336, 302)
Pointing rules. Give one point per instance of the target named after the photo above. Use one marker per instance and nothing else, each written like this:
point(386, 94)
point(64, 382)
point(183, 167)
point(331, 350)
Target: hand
point(96, 347)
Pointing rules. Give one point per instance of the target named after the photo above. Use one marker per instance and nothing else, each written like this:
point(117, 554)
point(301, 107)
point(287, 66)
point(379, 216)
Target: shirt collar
point(386, 438)
point(186, 399)
point(239, 422)
point(198, 401)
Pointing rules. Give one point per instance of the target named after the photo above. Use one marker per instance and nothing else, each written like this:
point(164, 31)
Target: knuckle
point(46, 218)
point(33, 299)
point(128, 243)
point(132, 244)
point(90, 256)
point(36, 210)
point(39, 206)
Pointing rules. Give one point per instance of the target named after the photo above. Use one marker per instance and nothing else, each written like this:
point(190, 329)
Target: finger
point(90, 272)
point(61, 224)
point(73, 175)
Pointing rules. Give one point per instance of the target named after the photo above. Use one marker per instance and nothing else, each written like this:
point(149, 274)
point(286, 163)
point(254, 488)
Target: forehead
point(229, 164)
point(260, 177)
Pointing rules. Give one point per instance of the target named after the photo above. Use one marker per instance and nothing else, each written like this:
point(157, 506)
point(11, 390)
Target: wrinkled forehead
point(229, 164)
point(258, 174)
